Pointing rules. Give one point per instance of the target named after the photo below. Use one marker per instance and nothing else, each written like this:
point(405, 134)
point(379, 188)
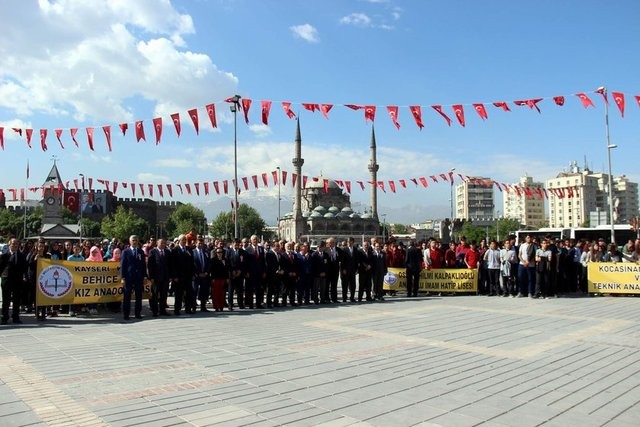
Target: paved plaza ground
point(450, 361)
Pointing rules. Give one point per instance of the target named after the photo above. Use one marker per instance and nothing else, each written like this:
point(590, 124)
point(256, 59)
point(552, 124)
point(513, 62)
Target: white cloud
point(151, 177)
point(306, 32)
point(261, 130)
point(172, 163)
point(356, 19)
point(98, 55)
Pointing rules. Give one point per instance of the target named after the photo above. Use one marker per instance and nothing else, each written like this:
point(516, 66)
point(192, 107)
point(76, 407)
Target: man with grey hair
point(133, 269)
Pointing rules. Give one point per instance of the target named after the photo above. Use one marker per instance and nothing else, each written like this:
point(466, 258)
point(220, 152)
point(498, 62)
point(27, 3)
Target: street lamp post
point(610, 146)
point(279, 179)
point(451, 202)
point(234, 109)
point(80, 207)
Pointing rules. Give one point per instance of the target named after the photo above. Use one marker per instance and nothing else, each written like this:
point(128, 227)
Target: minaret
point(298, 161)
point(373, 169)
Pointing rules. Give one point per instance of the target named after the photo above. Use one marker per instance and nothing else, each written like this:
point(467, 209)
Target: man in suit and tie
point(236, 259)
point(333, 269)
point(413, 264)
point(159, 265)
point(201, 283)
point(13, 267)
point(291, 266)
point(273, 274)
point(182, 280)
point(379, 271)
point(255, 273)
point(133, 270)
point(365, 271)
point(348, 270)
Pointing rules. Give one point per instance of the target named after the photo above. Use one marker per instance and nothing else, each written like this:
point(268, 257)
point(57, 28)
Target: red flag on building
point(225, 186)
point(284, 177)
point(193, 113)
point(361, 185)
point(206, 188)
point(433, 178)
point(71, 201)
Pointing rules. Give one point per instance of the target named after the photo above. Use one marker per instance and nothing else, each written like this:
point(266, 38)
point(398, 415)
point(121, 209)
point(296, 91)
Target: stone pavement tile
point(285, 387)
point(207, 415)
point(13, 407)
point(481, 411)
point(333, 403)
point(250, 420)
point(342, 421)
point(363, 411)
point(274, 412)
point(143, 420)
point(306, 394)
point(576, 419)
point(242, 399)
point(125, 415)
point(295, 417)
point(21, 419)
point(630, 418)
point(454, 419)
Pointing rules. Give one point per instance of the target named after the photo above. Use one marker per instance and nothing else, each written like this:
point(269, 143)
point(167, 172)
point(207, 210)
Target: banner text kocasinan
point(613, 278)
point(79, 282)
point(438, 280)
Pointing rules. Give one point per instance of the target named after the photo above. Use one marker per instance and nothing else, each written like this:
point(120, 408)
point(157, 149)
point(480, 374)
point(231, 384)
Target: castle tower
point(373, 170)
point(52, 212)
point(298, 161)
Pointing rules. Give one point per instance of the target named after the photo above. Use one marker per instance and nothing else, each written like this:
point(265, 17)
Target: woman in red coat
point(219, 277)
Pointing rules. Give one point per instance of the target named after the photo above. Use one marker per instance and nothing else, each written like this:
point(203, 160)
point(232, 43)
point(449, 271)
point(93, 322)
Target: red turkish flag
point(325, 108)
point(310, 107)
point(141, 189)
point(531, 103)
point(424, 181)
point(160, 190)
point(393, 113)
point(284, 177)
point(637, 99)
point(90, 184)
point(416, 111)
point(115, 187)
point(43, 139)
point(90, 138)
point(392, 186)
point(196, 186)
point(451, 177)
point(264, 179)
point(305, 178)
point(245, 182)
point(443, 176)
point(415, 181)
point(73, 132)
point(481, 110)
point(123, 128)
point(170, 190)
point(216, 187)
point(287, 110)
point(361, 185)
point(180, 188)
point(2, 138)
point(265, 107)
point(381, 185)
point(502, 105)
point(225, 186)
point(58, 135)
point(140, 131)
point(176, 122)
point(150, 189)
point(70, 200)
point(354, 107)
point(618, 97)
point(254, 179)
point(458, 110)
point(559, 100)
point(157, 124)
point(434, 178)
point(603, 91)
point(438, 108)
point(246, 105)
point(347, 185)
point(403, 183)
point(325, 184)
point(586, 101)
point(206, 188)
point(370, 113)
point(274, 175)
point(193, 113)
point(29, 134)
point(107, 134)
point(211, 112)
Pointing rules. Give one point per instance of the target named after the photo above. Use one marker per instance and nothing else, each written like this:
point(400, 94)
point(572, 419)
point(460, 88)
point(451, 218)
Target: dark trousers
point(203, 287)
point(494, 281)
point(273, 290)
point(236, 286)
point(348, 286)
point(542, 283)
point(526, 279)
point(413, 282)
point(159, 292)
point(364, 285)
point(304, 288)
point(320, 290)
point(130, 288)
point(253, 285)
point(378, 286)
point(178, 293)
point(332, 282)
point(289, 290)
point(10, 295)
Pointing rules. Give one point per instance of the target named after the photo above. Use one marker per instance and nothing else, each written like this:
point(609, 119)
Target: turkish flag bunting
point(90, 138)
point(246, 105)
point(140, 131)
point(245, 182)
point(193, 113)
point(443, 176)
point(29, 134)
point(211, 112)
point(393, 113)
point(123, 128)
point(370, 113)
point(2, 138)
point(381, 185)
point(603, 91)
point(284, 177)
point(502, 105)
point(569, 192)
point(434, 178)
point(287, 110)
point(115, 186)
point(347, 185)
point(18, 131)
point(176, 122)
point(415, 181)
point(274, 175)
point(531, 103)
point(354, 107)
point(170, 190)
point(451, 177)
point(392, 186)
point(107, 135)
point(161, 190)
point(70, 200)
point(403, 183)
point(424, 181)
point(196, 186)
point(304, 181)
point(459, 112)
point(586, 101)
point(235, 185)
point(546, 195)
point(310, 107)
point(206, 188)
point(416, 112)
point(58, 135)
point(618, 97)
point(254, 178)
point(517, 189)
point(180, 188)
point(266, 108)
point(559, 100)
point(264, 179)
point(150, 188)
point(482, 112)
point(216, 187)
point(438, 108)
point(498, 186)
point(157, 124)
point(73, 132)
point(325, 108)
point(325, 184)
point(637, 99)
point(141, 189)
point(90, 184)
point(43, 139)
point(361, 185)
point(225, 186)
point(539, 191)
point(294, 178)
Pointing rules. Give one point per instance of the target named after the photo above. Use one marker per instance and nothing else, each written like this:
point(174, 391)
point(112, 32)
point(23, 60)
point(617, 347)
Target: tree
point(90, 228)
point(69, 217)
point(10, 223)
point(399, 229)
point(184, 219)
point(34, 221)
point(472, 232)
point(249, 222)
point(503, 228)
point(122, 224)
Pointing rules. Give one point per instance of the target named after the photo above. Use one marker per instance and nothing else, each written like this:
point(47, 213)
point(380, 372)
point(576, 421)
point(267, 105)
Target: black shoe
point(204, 310)
point(127, 318)
point(260, 306)
point(165, 313)
point(177, 313)
point(139, 316)
point(352, 300)
point(155, 314)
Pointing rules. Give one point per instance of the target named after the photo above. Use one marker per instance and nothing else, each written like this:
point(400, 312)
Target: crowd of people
point(253, 274)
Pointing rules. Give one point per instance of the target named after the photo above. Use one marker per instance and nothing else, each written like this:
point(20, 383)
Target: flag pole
point(24, 207)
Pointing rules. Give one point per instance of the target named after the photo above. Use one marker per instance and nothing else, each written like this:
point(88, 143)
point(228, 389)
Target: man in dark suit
point(201, 282)
point(291, 266)
point(413, 264)
point(379, 271)
point(182, 280)
point(13, 266)
point(365, 271)
point(236, 259)
point(255, 273)
point(273, 274)
point(319, 266)
point(133, 269)
point(159, 264)
point(348, 270)
point(333, 269)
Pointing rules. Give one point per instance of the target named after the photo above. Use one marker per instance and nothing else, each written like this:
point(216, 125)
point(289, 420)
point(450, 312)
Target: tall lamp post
point(80, 207)
point(610, 146)
point(279, 179)
point(234, 109)
point(451, 201)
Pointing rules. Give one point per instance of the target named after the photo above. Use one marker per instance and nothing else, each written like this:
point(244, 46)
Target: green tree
point(34, 221)
point(399, 229)
point(10, 224)
point(249, 222)
point(122, 224)
point(503, 228)
point(184, 219)
point(69, 217)
point(472, 232)
point(91, 228)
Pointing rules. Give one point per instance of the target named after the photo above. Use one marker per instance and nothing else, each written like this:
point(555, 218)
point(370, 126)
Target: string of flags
point(265, 179)
point(245, 104)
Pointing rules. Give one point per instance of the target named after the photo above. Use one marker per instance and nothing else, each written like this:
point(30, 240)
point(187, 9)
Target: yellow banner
point(613, 278)
point(79, 282)
point(437, 280)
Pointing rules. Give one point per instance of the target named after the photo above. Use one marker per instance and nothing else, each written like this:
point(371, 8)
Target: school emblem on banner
point(55, 281)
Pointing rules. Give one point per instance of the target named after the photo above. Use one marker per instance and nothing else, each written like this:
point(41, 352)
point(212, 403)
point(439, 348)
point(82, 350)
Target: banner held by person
point(438, 280)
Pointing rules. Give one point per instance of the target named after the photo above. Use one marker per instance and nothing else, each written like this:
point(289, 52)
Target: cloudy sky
point(77, 64)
